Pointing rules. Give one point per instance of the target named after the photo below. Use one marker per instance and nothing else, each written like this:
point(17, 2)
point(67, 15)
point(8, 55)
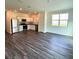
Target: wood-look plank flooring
point(34, 45)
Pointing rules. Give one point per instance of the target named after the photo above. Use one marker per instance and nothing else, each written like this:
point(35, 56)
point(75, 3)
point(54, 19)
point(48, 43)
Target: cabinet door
point(31, 27)
point(20, 28)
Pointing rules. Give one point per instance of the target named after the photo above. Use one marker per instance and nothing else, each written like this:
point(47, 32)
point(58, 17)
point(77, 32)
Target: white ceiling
point(39, 5)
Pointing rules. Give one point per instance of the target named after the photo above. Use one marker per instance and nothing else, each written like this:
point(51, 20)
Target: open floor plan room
point(38, 29)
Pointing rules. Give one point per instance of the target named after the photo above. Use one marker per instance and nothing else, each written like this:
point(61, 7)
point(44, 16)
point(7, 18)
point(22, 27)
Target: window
point(55, 19)
point(60, 19)
point(63, 19)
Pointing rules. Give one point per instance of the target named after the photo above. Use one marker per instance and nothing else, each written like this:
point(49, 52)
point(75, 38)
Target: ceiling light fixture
point(15, 10)
point(20, 9)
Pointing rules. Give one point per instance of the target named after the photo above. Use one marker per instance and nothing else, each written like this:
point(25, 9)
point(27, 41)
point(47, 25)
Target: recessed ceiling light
point(15, 10)
point(20, 9)
point(35, 12)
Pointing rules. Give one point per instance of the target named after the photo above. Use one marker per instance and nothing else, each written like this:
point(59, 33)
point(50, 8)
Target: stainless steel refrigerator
point(15, 27)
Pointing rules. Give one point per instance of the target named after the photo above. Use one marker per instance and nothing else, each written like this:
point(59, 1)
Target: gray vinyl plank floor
point(35, 45)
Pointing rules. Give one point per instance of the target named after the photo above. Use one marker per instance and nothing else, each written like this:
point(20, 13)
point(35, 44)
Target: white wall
point(61, 30)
